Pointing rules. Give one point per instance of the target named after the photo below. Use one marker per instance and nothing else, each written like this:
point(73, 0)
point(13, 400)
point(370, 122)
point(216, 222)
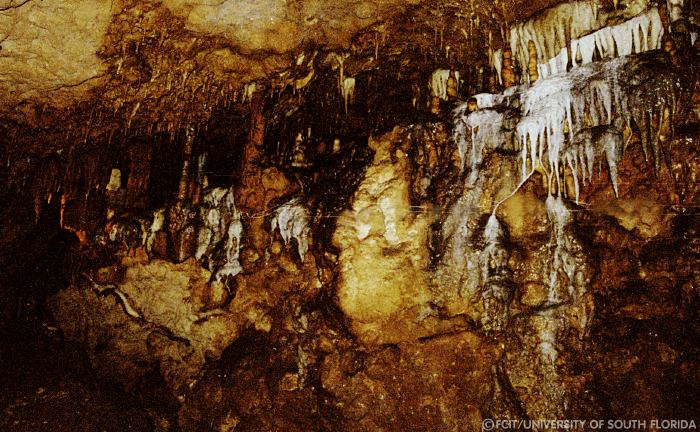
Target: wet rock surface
point(553, 312)
point(351, 217)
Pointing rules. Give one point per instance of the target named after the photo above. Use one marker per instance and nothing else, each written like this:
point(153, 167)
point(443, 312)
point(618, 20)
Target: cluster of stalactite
point(372, 280)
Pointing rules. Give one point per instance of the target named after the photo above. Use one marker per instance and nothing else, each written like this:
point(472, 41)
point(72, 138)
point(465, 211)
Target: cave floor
point(48, 386)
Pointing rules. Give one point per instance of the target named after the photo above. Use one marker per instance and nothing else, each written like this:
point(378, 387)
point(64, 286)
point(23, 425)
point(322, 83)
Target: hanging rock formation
point(348, 216)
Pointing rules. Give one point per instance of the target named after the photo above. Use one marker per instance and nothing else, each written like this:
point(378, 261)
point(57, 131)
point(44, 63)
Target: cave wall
point(383, 230)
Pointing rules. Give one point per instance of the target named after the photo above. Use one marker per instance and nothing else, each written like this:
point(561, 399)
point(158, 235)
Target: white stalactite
point(498, 65)
point(222, 228)
point(675, 9)
point(553, 30)
point(488, 100)
point(568, 122)
point(474, 131)
point(580, 26)
point(639, 34)
point(555, 65)
point(292, 219)
point(438, 82)
point(348, 91)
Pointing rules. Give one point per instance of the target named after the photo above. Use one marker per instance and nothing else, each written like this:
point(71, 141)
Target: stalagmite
point(559, 217)
point(508, 77)
point(548, 338)
point(453, 85)
point(298, 159)
point(435, 105)
point(201, 166)
point(156, 226)
point(493, 264)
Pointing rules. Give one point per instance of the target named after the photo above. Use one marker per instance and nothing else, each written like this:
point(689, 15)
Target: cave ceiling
point(350, 215)
point(94, 66)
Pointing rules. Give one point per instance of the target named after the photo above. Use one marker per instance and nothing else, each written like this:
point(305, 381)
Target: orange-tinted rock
point(383, 254)
point(273, 179)
point(185, 243)
point(439, 384)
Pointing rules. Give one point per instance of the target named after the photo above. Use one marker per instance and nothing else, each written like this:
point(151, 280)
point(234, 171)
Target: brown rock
point(287, 264)
point(109, 275)
point(160, 245)
point(438, 384)
point(276, 247)
point(185, 244)
point(273, 179)
point(534, 294)
point(289, 382)
point(383, 259)
point(209, 295)
point(525, 214)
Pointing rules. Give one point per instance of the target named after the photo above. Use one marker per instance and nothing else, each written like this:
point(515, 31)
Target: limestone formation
point(377, 215)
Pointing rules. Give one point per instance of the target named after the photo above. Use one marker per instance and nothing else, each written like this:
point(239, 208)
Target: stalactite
point(248, 92)
point(439, 80)
point(219, 236)
point(292, 220)
point(555, 65)
point(639, 34)
point(478, 130)
point(553, 29)
point(581, 25)
point(572, 119)
point(675, 9)
point(139, 174)
point(348, 91)
point(250, 195)
point(185, 174)
point(498, 65)
point(532, 63)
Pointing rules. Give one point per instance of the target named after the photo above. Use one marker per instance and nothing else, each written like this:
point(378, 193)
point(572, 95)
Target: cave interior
point(349, 215)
